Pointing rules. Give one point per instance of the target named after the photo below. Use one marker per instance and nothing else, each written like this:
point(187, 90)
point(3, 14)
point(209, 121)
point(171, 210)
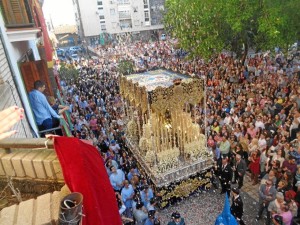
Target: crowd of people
point(251, 118)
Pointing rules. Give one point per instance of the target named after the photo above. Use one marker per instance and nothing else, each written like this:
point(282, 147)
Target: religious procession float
point(162, 132)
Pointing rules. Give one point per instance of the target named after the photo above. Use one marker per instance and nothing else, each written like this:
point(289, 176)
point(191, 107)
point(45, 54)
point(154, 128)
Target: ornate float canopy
point(162, 130)
point(162, 89)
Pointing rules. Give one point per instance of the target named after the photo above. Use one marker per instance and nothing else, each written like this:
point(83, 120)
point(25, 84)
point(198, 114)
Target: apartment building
point(113, 19)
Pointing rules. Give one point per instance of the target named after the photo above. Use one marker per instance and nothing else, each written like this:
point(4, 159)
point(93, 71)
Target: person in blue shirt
point(45, 117)
point(127, 194)
point(151, 218)
point(146, 195)
point(133, 171)
point(116, 178)
point(151, 204)
point(139, 214)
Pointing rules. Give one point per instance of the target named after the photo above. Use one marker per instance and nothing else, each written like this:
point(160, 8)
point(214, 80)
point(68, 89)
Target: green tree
point(68, 73)
point(205, 28)
point(125, 67)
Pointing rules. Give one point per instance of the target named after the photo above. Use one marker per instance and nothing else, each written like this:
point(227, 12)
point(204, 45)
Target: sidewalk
point(250, 189)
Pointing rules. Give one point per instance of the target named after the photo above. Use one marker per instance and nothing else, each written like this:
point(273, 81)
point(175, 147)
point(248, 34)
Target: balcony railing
point(17, 13)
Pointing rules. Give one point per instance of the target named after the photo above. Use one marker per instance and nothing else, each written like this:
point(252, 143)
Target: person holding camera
point(277, 220)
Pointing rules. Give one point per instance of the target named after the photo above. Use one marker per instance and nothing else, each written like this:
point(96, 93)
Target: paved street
point(204, 208)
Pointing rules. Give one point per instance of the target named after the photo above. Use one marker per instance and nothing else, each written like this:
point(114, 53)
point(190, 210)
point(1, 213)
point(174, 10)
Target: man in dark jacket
point(225, 176)
point(240, 168)
point(237, 205)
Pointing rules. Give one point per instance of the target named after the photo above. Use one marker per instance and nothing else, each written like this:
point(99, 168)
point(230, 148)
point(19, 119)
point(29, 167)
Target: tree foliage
point(205, 28)
point(68, 73)
point(125, 67)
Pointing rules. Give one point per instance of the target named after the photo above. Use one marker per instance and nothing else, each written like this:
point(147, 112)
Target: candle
point(138, 124)
point(170, 139)
point(166, 137)
point(161, 133)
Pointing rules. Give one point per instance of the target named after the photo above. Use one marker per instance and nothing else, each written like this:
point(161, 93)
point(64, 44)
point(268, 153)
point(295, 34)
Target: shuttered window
point(17, 13)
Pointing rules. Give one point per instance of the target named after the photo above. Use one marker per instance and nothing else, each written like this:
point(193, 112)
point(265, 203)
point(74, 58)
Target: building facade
point(109, 20)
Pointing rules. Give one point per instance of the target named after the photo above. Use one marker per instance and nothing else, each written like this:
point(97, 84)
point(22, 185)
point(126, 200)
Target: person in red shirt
point(254, 166)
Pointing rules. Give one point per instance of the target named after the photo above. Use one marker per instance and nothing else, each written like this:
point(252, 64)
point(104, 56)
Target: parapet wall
point(29, 159)
point(31, 166)
point(34, 170)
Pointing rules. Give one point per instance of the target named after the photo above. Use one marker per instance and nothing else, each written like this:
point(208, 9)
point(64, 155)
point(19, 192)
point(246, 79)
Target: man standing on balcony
point(45, 117)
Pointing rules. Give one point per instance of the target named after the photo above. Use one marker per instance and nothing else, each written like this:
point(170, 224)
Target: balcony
point(36, 183)
point(17, 13)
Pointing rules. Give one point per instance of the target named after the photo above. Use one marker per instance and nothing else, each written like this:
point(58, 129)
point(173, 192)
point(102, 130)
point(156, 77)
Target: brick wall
point(35, 165)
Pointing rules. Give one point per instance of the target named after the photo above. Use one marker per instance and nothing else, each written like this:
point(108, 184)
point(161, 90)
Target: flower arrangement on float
point(132, 128)
point(168, 159)
point(144, 145)
point(193, 149)
point(150, 157)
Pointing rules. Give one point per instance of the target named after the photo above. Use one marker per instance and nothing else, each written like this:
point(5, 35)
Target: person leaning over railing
point(59, 109)
point(45, 117)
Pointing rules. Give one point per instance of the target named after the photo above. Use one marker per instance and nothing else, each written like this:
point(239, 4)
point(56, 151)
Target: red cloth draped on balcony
point(84, 172)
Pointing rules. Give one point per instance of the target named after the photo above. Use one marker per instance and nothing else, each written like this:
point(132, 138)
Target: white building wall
point(19, 48)
point(111, 8)
point(89, 16)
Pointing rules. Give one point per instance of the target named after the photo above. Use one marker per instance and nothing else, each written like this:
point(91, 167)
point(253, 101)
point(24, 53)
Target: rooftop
point(65, 29)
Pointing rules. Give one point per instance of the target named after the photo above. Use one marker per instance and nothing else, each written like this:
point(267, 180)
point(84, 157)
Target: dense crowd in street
point(251, 118)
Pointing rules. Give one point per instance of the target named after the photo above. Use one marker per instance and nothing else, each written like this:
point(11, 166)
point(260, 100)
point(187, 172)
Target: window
point(103, 27)
point(124, 14)
point(101, 17)
point(147, 17)
point(125, 24)
point(112, 12)
point(145, 4)
point(123, 2)
point(100, 11)
point(99, 3)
